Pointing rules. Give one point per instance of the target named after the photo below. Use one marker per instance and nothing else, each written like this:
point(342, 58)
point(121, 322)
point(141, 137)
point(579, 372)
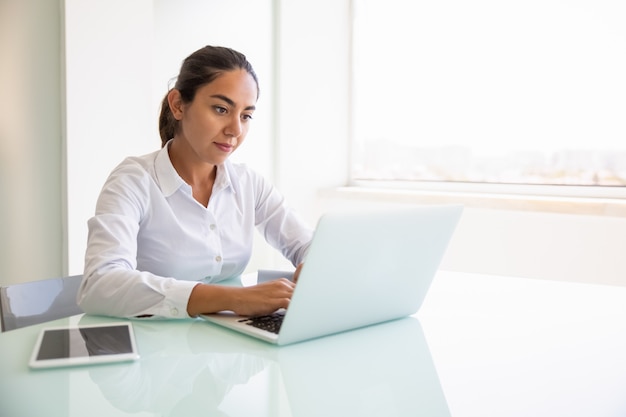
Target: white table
point(522, 347)
point(480, 346)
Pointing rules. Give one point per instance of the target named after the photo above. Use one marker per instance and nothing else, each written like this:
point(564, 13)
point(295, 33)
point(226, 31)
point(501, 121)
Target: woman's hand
point(296, 273)
point(264, 298)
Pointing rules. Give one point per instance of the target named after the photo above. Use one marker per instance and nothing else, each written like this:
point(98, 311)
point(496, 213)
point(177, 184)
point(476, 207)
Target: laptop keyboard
point(270, 322)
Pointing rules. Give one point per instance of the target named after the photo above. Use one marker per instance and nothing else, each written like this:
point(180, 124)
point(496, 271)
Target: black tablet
point(84, 345)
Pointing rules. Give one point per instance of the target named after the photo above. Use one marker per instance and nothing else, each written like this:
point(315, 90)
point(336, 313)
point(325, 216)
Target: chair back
point(36, 302)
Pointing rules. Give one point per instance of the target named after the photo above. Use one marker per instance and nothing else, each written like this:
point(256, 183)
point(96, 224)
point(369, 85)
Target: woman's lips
point(224, 147)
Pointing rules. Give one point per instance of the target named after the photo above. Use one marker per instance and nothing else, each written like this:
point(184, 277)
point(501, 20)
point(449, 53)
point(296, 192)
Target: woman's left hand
point(296, 273)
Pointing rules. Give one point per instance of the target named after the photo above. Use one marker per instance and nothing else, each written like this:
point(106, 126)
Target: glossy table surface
point(480, 346)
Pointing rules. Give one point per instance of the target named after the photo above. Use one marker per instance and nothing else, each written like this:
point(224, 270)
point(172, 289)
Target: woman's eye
point(220, 110)
point(247, 117)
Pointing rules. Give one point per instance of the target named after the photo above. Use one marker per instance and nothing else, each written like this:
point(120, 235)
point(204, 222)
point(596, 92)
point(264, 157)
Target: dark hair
point(198, 69)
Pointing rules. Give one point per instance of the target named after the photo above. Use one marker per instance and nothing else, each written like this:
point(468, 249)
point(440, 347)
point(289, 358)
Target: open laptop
point(362, 268)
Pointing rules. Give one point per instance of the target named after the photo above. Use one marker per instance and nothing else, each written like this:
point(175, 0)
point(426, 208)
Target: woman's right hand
point(264, 298)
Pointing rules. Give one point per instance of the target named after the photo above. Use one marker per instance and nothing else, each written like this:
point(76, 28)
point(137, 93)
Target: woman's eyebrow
point(230, 102)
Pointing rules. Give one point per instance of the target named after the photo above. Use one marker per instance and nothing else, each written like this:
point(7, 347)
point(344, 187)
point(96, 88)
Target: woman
point(171, 224)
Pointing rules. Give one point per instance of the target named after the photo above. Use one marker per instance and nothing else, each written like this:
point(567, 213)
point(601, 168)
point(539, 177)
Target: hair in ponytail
point(167, 122)
point(198, 69)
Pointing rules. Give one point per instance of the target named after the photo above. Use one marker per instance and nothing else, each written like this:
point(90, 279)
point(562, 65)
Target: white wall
point(31, 178)
point(313, 99)
point(109, 109)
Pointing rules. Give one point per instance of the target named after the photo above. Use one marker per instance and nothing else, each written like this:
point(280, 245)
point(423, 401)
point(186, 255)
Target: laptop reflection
point(381, 370)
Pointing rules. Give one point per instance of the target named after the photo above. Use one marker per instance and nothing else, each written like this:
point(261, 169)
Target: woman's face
point(216, 122)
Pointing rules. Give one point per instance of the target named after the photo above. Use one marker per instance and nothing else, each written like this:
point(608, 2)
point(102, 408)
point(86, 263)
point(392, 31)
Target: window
point(490, 91)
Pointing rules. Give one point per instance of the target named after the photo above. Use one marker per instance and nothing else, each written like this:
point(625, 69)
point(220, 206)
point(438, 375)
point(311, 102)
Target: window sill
point(594, 206)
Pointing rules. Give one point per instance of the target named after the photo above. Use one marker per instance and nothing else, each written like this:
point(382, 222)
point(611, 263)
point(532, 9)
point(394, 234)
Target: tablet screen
point(84, 345)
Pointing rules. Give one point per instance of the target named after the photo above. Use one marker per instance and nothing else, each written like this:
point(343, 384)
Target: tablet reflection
point(181, 372)
point(189, 369)
point(106, 340)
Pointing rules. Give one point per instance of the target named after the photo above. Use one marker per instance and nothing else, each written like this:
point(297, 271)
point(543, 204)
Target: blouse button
point(174, 311)
point(218, 258)
point(212, 227)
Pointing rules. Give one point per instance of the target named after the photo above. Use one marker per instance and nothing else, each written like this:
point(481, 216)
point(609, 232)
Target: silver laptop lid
point(367, 267)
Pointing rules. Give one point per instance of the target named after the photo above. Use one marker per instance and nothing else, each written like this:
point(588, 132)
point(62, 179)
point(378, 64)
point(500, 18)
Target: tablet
point(84, 345)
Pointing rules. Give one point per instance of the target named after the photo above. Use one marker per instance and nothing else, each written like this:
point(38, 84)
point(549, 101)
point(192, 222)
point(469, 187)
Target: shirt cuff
point(175, 304)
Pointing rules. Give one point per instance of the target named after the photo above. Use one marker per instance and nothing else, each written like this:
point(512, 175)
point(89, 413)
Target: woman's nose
point(234, 127)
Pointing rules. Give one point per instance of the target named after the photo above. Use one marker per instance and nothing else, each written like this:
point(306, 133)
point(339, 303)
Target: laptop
point(362, 268)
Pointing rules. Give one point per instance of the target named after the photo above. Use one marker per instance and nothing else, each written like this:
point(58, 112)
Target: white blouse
point(150, 242)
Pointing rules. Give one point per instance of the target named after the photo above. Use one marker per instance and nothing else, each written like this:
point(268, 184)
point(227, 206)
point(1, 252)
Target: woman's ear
point(176, 104)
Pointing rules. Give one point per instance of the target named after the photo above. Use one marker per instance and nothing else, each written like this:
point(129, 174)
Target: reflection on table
point(380, 370)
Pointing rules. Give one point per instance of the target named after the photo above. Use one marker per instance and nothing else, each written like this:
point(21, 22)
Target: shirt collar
point(168, 178)
point(222, 177)
point(170, 181)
